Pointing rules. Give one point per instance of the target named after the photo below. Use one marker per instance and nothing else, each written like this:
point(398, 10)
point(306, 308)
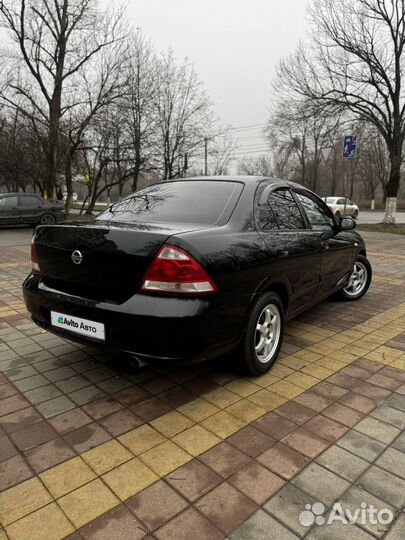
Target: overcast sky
point(235, 45)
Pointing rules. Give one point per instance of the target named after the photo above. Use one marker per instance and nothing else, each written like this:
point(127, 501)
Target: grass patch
point(398, 228)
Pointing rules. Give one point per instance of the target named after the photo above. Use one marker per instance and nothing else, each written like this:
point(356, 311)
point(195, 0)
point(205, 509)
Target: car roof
point(236, 178)
point(19, 194)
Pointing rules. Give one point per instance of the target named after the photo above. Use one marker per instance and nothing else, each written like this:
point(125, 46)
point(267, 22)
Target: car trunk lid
point(100, 261)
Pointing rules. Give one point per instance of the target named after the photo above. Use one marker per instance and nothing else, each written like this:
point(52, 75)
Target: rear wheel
point(359, 281)
point(264, 334)
point(47, 219)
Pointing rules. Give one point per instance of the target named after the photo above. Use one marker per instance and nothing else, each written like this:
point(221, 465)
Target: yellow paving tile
point(221, 397)
point(198, 409)
point(355, 349)
point(267, 400)
point(141, 439)
point(307, 355)
point(22, 499)
point(311, 337)
point(105, 457)
point(330, 363)
point(66, 477)
point(343, 356)
point(302, 380)
point(385, 353)
point(48, 523)
point(266, 379)
point(242, 387)
point(171, 423)
point(3, 535)
point(293, 362)
point(165, 458)
point(399, 363)
point(196, 440)
point(246, 410)
point(281, 371)
point(317, 371)
point(130, 478)
point(88, 502)
point(223, 424)
point(285, 389)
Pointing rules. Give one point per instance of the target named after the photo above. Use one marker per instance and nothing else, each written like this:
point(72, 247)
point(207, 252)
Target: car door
point(9, 214)
point(295, 249)
point(30, 207)
point(337, 246)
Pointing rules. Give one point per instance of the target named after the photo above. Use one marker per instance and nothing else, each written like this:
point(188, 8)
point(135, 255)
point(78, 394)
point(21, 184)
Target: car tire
point(357, 286)
point(355, 214)
point(47, 219)
point(268, 313)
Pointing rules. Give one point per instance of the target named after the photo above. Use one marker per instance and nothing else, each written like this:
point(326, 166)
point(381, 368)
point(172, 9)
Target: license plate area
point(77, 325)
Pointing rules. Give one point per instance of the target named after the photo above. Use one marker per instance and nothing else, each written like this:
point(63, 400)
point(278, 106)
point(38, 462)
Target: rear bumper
point(151, 327)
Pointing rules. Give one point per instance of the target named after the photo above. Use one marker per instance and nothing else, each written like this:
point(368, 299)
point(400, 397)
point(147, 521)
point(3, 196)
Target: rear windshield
point(330, 199)
point(180, 202)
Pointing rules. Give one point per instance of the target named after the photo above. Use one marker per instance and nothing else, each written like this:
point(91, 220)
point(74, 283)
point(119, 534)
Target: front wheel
point(264, 334)
point(359, 281)
point(47, 219)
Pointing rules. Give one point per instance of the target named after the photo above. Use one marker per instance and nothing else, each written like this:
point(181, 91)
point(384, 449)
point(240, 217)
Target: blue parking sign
point(349, 146)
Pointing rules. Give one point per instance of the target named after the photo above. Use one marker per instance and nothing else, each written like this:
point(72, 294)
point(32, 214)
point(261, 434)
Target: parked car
point(74, 196)
point(29, 209)
point(188, 270)
point(337, 205)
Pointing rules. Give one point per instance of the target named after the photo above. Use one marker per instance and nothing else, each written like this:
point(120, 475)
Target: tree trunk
point(393, 182)
point(69, 184)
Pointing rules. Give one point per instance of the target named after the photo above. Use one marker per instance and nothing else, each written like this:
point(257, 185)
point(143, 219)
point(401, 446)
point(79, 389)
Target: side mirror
point(347, 224)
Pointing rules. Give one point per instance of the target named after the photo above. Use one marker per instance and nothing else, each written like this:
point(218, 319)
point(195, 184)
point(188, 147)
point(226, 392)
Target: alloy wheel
point(267, 334)
point(357, 281)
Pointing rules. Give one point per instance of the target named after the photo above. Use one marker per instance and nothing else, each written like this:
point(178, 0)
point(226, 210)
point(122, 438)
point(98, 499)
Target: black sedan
point(29, 209)
point(189, 270)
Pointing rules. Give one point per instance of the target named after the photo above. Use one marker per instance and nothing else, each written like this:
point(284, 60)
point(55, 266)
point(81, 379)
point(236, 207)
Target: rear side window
point(179, 202)
point(8, 202)
point(30, 202)
point(285, 209)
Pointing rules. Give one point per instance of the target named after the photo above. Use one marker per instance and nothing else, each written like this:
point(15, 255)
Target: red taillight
point(175, 271)
point(34, 256)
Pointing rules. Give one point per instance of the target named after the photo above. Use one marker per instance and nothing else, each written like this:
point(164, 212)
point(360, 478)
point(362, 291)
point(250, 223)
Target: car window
point(286, 211)
point(267, 219)
point(191, 201)
point(30, 202)
point(340, 201)
point(8, 202)
point(318, 215)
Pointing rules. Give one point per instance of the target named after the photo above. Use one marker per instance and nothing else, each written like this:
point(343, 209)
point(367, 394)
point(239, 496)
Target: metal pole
point(206, 156)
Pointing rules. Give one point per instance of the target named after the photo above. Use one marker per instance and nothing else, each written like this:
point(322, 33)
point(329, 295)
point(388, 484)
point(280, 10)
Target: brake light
point(34, 256)
point(174, 271)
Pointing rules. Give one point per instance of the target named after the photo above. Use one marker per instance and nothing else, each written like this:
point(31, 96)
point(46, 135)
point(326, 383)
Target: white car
point(74, 196)
point(337, 205)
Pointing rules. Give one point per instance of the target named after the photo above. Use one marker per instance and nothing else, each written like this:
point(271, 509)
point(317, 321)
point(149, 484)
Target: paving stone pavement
point(91, 450)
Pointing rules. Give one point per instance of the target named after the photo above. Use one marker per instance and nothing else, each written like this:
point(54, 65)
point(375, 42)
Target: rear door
point(30, 207)
point(337, 250)
point(295, 249)
point(9, 214)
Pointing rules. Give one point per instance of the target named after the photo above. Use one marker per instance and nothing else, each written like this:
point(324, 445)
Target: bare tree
point(356, 65)
point(221, 152)
point(256, 165)
point(139, 105)
point(53, 41)
point(183, 114)
point(295, 131)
